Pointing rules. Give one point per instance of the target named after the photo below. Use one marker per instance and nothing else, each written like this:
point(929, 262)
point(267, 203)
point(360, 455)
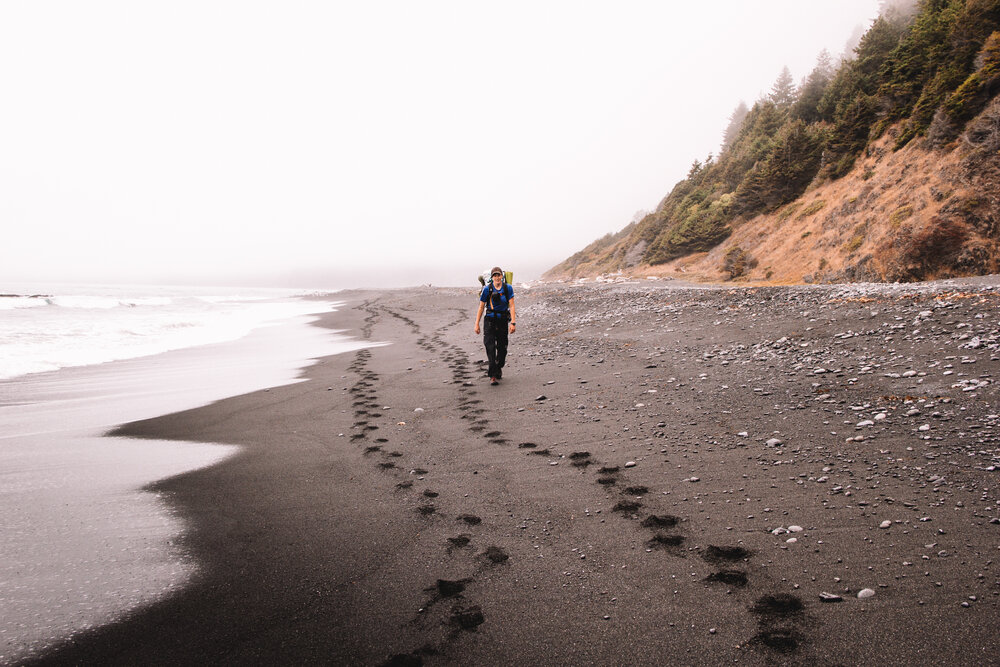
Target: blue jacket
point(503, 296)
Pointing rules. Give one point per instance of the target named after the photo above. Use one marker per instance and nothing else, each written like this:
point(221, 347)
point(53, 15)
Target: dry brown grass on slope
point(914, 214)
point(901, 215)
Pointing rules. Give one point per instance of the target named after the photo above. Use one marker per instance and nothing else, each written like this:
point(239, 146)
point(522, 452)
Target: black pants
point(495, 339)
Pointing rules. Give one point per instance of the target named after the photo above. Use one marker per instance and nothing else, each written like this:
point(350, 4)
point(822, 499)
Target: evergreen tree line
point(932, 70)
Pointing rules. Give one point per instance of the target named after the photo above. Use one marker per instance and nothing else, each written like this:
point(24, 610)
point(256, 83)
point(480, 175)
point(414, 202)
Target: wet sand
point(666, 475)
point(82, 544)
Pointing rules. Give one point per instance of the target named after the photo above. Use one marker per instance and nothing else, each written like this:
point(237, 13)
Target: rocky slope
point(885, 169)
point(915, 214)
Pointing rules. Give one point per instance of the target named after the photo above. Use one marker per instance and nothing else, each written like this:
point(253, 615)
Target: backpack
point(484, 277)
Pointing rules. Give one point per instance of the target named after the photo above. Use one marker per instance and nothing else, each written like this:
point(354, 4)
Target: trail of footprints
point(779, 616)
point(449, 610)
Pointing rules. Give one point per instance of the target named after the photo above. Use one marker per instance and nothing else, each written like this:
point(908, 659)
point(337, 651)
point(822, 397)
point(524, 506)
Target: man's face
point(497, 279)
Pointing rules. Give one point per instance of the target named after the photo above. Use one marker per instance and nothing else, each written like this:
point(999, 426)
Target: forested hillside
point(884, 166)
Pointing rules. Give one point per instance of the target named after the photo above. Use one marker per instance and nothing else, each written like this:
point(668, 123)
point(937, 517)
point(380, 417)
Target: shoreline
point(630, 493)
point(83, 547)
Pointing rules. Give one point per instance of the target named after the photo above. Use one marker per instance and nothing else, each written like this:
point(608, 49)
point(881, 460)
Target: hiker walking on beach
point(497, 299)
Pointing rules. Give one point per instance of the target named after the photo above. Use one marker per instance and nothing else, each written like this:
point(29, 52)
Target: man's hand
point(510, 327)
point(477, 327)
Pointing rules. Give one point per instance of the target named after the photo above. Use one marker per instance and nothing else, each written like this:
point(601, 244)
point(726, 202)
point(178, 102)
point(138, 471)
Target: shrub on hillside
point(920, 252)
point(814, 207)
point(702, 223)
point(737, 262)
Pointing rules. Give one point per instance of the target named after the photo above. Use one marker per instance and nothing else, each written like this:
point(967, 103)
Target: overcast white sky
point(334, 143)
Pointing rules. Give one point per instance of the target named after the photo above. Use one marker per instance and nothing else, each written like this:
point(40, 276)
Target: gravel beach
point(667, 474)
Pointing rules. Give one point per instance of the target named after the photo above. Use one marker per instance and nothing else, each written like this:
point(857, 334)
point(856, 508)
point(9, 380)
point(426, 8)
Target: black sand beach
point(666, 475)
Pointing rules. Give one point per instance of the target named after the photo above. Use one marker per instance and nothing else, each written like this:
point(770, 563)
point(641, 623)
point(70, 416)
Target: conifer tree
point(807, 106)
point(735, 123)
point(783, 90)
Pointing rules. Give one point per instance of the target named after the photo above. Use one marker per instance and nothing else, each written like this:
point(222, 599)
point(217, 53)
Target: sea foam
point(81, 325)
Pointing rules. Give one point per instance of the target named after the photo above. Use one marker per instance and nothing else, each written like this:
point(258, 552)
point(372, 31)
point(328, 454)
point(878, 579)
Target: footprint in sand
point(494, 555)
point(782, 640)
point(468, 618)
point(728, 577)
point(665, 541)
point(776, 612)
point(715, 554)
point(447, 588)
point(660, 521)
point(458, 542)
point(779, 604)
point(627, 506)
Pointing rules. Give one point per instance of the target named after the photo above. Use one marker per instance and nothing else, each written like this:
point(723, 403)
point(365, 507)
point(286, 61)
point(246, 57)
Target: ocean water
point(84, 542)
point(48, 327)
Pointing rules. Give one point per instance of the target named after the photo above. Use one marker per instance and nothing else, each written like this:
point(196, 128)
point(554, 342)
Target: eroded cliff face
point(919, 213)
point(913, 214)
